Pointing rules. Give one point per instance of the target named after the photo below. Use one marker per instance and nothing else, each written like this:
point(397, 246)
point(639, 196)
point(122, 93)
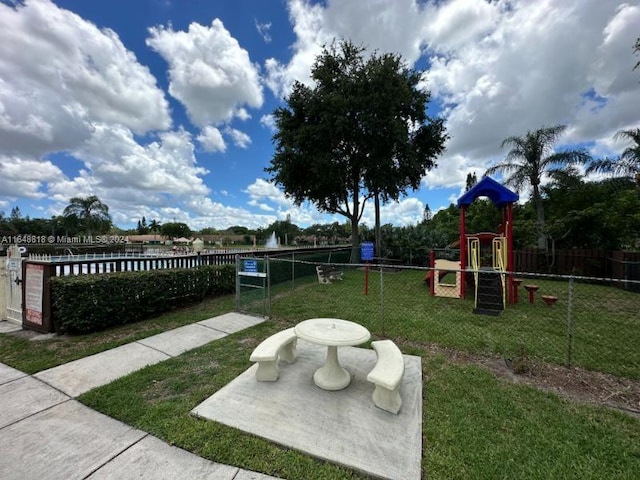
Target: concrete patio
point(342, 427)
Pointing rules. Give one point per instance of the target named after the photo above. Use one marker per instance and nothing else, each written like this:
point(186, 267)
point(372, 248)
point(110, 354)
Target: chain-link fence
point(257, 275)
point(567, 320)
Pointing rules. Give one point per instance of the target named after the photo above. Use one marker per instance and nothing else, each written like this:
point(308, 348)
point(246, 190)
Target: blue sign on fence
point(251, 266)
point(366, 251)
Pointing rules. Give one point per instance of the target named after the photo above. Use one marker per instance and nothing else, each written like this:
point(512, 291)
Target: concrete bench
point(326, 273)
point(387, 376)
point(279, 345)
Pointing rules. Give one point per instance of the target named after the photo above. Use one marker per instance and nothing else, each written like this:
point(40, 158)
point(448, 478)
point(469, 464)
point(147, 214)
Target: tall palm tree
point(628, 163)
point(530, 157)
point(90, 211)
point(154, 226)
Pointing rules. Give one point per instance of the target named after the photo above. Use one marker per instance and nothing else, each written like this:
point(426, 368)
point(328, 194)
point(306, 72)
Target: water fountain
point(272, 242)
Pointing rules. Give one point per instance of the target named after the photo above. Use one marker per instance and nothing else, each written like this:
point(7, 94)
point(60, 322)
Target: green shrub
point(88, 303)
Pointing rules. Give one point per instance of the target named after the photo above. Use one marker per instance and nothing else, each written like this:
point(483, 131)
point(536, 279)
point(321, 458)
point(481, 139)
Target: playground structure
point(493, 283)
point(446, 268)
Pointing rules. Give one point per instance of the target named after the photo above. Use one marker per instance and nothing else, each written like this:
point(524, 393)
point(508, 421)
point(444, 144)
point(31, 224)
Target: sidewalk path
point(46, 434)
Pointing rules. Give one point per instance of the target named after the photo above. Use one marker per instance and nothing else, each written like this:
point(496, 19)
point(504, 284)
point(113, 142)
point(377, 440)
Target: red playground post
point(366, 277)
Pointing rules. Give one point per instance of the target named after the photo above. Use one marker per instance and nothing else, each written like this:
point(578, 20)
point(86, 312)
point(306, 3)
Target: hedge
point(88, 303)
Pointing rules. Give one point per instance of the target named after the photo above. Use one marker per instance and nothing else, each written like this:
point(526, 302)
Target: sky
point(163, 108)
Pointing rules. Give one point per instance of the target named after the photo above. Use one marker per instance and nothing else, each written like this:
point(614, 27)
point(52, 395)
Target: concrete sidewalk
point(46, 434)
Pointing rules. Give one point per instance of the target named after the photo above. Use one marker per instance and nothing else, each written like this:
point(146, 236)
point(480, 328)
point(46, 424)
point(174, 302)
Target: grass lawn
point(605, 320)
point(475, 425)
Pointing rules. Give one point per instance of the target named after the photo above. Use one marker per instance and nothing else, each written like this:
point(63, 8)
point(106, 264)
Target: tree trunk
point(540, 223)
point(355, 234)
point(355, 240)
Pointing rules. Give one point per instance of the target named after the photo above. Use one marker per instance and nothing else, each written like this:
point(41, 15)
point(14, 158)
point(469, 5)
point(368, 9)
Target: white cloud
point(240, 139)
point(261, 190)
point(532, 69)
point(267, 197)
point(376, 24)
point(211, 139)
point(406, 211)
point(457, 23)
point(210, 74)
point(261, 206)
point(242, 114)
point(269, 121)
point(130, 177)
point(167, 165)
point(59, 74)
point(311, 34)
point(204, 212)
point(26, 178)
point(264, 30)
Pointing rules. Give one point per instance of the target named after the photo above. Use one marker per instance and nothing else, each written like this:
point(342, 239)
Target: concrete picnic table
point(332, 333)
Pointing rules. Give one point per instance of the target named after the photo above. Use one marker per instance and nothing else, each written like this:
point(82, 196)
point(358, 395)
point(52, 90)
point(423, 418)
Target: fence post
point(268, 299)
point(237, 283)
point(382, 301)
point(293, 270)
point(570, 324)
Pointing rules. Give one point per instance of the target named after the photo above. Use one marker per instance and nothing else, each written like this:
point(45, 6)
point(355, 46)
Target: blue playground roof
point(488, 187)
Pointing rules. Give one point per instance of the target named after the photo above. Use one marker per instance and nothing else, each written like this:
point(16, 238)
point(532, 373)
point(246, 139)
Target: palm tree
point(154, 226)
point(530, 157)
point(628, 163)
point(90, 211)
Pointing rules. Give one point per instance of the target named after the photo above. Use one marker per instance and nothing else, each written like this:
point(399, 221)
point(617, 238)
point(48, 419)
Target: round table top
point(332, 332)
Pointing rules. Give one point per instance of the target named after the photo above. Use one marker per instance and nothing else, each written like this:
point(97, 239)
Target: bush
point(88, 303)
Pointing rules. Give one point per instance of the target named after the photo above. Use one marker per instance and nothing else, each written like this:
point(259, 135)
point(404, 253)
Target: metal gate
point(252, 286)
point(13, 284)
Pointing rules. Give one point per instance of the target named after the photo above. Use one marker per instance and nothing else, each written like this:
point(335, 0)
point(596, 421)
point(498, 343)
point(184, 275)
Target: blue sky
point(162, 108)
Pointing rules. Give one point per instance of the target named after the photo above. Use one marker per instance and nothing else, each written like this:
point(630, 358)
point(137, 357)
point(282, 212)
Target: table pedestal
point(332, 376)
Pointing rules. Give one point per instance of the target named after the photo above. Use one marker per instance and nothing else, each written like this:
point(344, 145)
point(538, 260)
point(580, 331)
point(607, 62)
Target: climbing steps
point(489, 293)
point(489, 282)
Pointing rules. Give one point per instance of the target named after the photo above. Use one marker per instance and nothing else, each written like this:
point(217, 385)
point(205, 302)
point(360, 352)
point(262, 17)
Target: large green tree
point(603, 214)
point(175, 230)
point(361, 131)
point(531, 156)
point(90, 214)
point(628, 163)
point(402, 141)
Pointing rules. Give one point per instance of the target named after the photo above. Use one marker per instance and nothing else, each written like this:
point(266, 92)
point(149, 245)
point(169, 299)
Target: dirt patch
point(575, 383)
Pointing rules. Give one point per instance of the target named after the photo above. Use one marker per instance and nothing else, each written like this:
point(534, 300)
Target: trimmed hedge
point(88, 303)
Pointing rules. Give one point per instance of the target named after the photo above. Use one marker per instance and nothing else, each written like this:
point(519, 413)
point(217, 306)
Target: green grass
point(475, 426)
point(33, 356)
point(606, 324)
